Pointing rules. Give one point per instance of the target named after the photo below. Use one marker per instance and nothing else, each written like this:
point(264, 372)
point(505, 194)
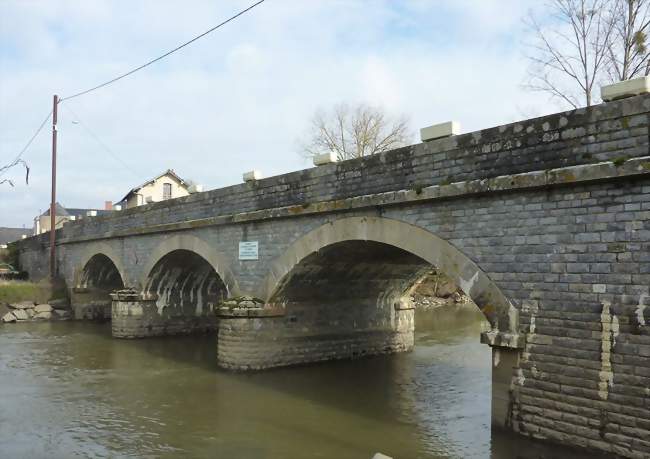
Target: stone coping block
point(252, 176)
point(325, 158)
point(438, 131)
point(627, 88)
point(497, 338)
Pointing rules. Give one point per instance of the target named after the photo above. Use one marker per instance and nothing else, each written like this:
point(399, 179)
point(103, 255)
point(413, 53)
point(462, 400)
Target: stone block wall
point(135, 317)
point(255, 344)
point(605, 132)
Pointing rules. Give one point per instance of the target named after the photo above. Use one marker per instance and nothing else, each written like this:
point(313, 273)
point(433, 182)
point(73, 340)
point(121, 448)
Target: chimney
point(108, 205)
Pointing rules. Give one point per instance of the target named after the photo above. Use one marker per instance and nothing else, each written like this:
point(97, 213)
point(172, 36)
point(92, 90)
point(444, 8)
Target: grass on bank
point(14, 291)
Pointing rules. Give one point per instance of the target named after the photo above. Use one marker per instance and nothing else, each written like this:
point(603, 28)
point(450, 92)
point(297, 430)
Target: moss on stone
point(447, 181)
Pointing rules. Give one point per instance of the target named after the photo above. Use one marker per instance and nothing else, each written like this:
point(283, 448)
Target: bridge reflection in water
point(69, 390)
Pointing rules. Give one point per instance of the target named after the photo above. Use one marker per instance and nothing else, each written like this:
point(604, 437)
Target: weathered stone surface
point(43, 308)
point(20, 314)
point(627, 88)
point(45, 315)
point(22, 305)
point(61, 313)
point(60, 304)
point(30, 312)
point(8, 317)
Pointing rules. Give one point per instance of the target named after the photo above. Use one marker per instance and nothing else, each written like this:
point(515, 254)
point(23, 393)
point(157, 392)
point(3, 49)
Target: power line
point(164, 55)
point(99, 141)
point(17, 159)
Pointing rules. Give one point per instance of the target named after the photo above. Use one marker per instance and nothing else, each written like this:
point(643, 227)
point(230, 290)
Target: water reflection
point(72, 391)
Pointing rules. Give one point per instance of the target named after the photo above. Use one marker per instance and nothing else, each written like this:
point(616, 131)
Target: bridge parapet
point(604, 132)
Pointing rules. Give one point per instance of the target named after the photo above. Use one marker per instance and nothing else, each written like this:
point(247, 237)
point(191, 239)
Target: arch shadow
point(498, 310)
point(199, 247)
point(98, 249)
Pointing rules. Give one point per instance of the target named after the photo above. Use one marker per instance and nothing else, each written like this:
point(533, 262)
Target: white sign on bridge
point(248, 250)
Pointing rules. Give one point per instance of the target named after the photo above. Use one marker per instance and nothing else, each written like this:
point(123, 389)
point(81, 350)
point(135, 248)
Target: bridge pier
point(506, 354)
point(140, 315)
point(90, 305)
point(255, 336)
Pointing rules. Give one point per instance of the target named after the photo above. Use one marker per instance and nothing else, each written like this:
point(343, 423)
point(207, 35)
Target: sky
point(242, 97)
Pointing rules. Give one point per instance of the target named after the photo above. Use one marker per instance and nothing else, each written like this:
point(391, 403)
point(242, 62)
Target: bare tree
point(11, 165)
point(572, 49)
point(355, 132)
point(628, 55)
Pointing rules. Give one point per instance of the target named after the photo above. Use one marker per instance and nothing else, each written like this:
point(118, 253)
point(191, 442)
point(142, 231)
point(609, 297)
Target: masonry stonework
point(543, 223)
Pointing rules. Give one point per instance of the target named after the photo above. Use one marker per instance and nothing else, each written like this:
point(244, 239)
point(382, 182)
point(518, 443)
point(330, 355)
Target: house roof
point(168, 172)
point(8, 235)
point(60, 211)
point(76, 212)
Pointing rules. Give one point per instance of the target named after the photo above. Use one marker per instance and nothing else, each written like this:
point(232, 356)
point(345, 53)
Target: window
point(167, 190)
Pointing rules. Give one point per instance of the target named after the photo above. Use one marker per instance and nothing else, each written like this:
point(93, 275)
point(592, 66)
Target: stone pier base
point(90, 305)
point(137, 316)
point(261, 337)
point(506, 351)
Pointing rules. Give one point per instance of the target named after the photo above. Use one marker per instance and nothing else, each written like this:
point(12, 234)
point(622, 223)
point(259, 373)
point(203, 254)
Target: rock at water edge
point(20, 314)
point(8, 317)
point(43, 315)
point(22, 305)
point(43, 308)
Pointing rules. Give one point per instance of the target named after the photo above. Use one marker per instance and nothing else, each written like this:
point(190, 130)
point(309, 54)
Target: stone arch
point(412, 239)
point(179, 296)
point(201, 248)
point(99, 273)
point(91, 252)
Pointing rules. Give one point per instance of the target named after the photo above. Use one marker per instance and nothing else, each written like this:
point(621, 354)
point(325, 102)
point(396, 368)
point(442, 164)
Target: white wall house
point(165, 186)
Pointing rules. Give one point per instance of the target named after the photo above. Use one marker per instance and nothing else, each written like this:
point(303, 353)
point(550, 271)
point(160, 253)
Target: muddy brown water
point(71, 391)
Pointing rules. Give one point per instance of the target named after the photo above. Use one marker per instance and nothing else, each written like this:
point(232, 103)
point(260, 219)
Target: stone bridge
point(543, 223)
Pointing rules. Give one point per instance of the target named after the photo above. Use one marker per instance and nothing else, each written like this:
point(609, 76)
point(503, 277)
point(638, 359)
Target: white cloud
point(239, 98)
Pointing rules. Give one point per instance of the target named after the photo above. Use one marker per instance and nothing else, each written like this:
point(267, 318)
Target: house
point(42, 223)
point(9, 235)
point(165, 186)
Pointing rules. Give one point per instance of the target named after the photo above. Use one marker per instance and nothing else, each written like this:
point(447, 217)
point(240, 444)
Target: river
point(71, 391)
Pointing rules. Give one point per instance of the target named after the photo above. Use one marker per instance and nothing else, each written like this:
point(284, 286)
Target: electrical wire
point(17, 159)
point(98, 140)
point(124, 75)
point(131, 72)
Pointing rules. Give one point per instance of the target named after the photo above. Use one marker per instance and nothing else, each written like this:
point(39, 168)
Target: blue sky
point(240, 98)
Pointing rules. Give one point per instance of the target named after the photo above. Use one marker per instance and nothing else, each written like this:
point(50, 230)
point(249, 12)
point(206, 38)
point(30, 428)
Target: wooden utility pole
point(53, 201)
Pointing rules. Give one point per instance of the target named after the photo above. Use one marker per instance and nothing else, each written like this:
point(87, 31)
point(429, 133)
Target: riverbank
point(436, 290)
point(22, 301)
